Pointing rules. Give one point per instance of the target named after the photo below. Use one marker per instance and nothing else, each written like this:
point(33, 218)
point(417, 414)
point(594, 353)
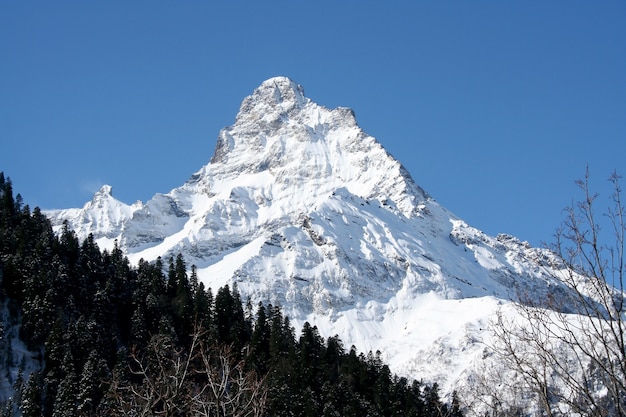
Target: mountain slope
point(299, 207)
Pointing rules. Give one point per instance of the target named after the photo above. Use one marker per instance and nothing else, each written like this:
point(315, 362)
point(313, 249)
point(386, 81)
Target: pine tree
point(224, 307)
point(139, 334)
point(260, 341)
point(151, 294)
point(193, 280)
point(333, 357)
point(241, 328)
point(55, 347)
point(182, 303)
point(90, 389)
point(65, 401)
point(30, 404)
point(120, 285)
point(455, 407)
point(432, 403)
point(69, 247)
point(276, 332)
point(202, 306)
point(19, 387)
point(172, 283)
point(311, 352)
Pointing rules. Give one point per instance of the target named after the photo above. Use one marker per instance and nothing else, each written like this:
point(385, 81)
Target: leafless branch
point(571, 353)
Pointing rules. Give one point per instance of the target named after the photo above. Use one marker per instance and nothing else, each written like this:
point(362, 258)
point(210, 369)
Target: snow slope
point(301, 208)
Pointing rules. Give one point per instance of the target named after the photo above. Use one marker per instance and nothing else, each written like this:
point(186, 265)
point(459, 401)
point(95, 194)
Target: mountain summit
point(301, 208)
point(297, 148)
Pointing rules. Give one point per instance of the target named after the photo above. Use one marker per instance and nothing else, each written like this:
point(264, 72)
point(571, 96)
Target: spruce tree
point(202, 307)
point(224, 307)
point(93, 378)
point(30, 404)
point(182, 302)
point(260, 341)
point(65, 400)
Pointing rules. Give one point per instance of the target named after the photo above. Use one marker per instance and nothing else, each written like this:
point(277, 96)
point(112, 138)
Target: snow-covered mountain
point(301, 208)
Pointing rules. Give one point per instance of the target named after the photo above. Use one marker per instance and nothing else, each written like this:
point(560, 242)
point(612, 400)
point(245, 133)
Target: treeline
point(84, 333)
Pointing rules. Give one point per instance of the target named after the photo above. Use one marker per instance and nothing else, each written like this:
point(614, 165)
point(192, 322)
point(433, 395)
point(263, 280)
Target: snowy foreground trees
point(567, 354)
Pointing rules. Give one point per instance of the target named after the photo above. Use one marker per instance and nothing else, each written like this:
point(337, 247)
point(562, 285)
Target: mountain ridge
point(301, 208)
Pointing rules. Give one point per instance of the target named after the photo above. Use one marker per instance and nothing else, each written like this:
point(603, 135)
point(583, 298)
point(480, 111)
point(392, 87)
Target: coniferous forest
point(84, 333)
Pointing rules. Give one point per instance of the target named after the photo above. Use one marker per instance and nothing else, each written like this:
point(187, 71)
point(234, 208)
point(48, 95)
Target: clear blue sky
point(494, 107)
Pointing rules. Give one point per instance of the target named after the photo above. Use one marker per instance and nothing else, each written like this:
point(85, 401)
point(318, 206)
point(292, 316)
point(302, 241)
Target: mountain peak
point(306, 149)
point(272, 100)
point(104, 191)
point(281, 83)
point(280, 90)
point(103, 199)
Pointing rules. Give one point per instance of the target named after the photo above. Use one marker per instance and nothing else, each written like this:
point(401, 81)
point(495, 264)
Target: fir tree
point(92, 379)
point(65, 401)
point(260, 341)
point(224, 319)
point(30, 404)
point(182, 302)
point(202, 306)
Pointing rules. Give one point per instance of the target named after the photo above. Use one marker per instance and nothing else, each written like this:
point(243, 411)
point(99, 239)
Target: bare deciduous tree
point(205, 381)
point(569, 353)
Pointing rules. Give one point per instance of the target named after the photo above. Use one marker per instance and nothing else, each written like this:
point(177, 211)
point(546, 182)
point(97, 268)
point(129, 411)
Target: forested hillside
point(84, 333)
